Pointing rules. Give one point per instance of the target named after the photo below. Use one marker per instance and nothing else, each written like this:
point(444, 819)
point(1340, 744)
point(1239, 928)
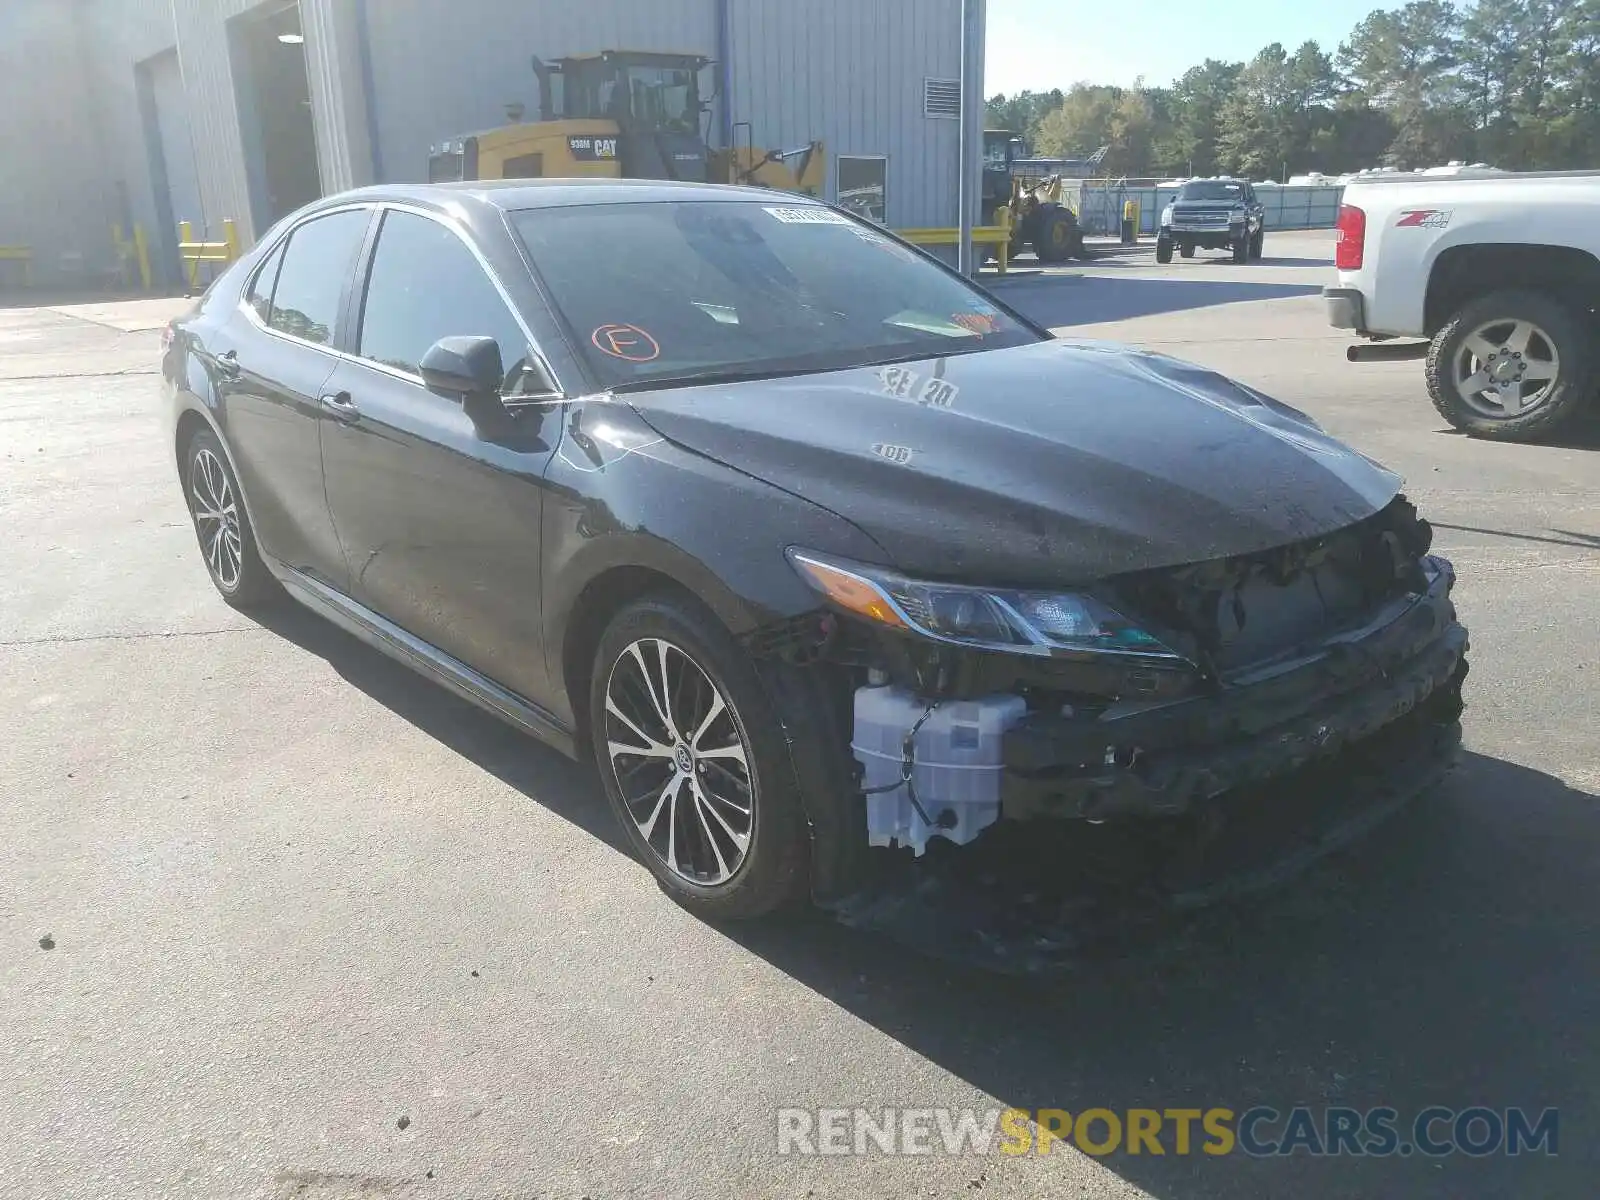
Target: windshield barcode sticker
point(809, 216)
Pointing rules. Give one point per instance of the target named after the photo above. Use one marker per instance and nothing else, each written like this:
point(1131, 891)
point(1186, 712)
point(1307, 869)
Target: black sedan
point(812, 544)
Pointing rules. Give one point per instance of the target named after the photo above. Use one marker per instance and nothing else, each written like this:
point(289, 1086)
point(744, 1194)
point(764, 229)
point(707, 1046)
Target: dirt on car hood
point(1055, 462)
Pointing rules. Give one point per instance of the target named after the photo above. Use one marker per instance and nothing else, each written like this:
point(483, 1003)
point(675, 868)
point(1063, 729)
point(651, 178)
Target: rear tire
point(711, 804)
point(1539, 334)
point(1163, 251)
point(222, 526)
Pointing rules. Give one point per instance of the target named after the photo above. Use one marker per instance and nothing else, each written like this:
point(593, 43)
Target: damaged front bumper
point(1161, 759)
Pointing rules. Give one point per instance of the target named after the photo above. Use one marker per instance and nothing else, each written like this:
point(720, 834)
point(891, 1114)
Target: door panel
point(272, 381)
point(272, 417)
point(440, 526)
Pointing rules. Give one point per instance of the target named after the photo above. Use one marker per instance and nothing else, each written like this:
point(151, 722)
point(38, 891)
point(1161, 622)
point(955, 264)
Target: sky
point(1044, 44)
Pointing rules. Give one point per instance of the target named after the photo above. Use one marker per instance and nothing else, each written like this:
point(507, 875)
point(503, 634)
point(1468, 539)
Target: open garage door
point(274, 96)
point(173, 176)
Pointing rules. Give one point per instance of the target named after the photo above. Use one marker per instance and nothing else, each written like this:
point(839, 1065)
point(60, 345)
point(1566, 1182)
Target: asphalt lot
point(319, 930)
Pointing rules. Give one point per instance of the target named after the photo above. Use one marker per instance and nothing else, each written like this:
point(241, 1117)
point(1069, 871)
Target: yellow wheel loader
point(621, 114)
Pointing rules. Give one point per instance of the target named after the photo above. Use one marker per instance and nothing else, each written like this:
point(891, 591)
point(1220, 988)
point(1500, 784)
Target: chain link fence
point(1098, 203)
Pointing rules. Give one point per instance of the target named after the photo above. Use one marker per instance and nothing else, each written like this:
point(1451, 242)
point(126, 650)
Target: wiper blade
point(933, 348)
point(701, 378)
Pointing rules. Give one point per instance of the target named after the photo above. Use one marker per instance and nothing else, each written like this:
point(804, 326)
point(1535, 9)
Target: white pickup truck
point(1498, 272)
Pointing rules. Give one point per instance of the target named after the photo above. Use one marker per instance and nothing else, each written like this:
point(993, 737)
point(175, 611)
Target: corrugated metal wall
point(77, 142)
point(442, 68)
point(851, 72)
point(54, 194)
point(125, 33)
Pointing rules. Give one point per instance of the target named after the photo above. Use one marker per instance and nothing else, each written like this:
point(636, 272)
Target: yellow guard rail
point(998, 236)
point(194, 253)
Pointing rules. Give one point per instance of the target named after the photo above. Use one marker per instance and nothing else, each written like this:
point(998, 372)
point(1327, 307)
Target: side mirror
point(469, 369)
point(462, 367)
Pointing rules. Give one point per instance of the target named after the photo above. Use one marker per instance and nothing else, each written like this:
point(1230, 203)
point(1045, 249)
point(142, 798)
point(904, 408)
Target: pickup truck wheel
point(1257, 243)
point(1241, 249)
point(1512, 365)
point(1186, 249)
point(1163, 250)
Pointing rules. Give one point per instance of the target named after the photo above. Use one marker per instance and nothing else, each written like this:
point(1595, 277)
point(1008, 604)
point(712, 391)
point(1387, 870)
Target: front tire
point(1257, 244)
point(1163, 251)
point(222, 527)
point(1513, 366)
point(695, 764)
point(1054, 242)
point(1186, 249)
point(1241, 249)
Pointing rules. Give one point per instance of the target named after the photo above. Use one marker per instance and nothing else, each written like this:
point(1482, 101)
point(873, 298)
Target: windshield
point(658, 99)
point(663, 98)
point(1212, 189)
point(659, 291)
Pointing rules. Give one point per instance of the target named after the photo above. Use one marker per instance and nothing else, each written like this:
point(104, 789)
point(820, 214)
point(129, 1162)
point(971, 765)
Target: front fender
point(619, 495)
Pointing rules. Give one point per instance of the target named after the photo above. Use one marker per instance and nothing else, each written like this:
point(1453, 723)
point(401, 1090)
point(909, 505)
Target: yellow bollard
point(185, 239)
point(122, 247)
point(141, 250)
point(230, 235)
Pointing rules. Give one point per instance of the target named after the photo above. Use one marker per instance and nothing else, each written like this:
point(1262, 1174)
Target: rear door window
point(315, 270)
point(426, 284)
point(260, 296)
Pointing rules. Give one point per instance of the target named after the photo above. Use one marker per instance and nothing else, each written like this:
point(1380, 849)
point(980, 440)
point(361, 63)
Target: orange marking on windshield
point(627, 342)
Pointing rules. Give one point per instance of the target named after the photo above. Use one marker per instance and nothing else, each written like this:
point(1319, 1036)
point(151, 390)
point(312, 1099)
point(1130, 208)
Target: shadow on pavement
point(1564, 537)
point(1085, 300)
point(1449, 958)
point(1581, 433)
point(567, 788)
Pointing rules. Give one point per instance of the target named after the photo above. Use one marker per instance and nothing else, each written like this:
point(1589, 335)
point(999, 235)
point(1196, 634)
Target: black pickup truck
point(1217, 214)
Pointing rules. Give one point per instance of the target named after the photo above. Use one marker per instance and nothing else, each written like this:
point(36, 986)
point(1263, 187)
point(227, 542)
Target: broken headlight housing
point(1005, 619)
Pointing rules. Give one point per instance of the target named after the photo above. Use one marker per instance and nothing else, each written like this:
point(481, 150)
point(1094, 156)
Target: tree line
point(1514, 83)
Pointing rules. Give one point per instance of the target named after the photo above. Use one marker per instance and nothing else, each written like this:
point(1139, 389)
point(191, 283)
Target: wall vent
point(941, 98)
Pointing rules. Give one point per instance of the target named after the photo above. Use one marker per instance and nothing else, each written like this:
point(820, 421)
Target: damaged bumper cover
point(1256, 724)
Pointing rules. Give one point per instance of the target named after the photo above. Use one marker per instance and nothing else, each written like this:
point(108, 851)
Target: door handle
point(342, 407)
point(228, 364)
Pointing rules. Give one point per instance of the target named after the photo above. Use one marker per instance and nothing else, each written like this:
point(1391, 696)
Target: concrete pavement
point(319, 930)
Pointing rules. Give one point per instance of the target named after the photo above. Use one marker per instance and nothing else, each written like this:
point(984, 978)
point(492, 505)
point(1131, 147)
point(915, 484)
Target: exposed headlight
point(1166, 215)
point(1021, 622)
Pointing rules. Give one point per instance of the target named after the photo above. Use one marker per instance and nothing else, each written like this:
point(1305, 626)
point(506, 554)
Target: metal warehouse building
point(116, 112)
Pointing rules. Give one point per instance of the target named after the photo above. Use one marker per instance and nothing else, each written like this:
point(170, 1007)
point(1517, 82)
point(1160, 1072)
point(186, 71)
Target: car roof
point(515, 194)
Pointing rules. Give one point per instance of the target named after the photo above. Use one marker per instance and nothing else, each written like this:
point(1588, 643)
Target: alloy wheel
point(216, 519)
point(678, 754)
point(1506, 368)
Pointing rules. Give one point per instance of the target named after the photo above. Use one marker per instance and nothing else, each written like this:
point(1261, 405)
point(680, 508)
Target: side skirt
point(426, 659)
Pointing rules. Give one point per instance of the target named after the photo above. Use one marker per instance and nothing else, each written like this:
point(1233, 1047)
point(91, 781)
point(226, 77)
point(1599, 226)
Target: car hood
point(1054, 462)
